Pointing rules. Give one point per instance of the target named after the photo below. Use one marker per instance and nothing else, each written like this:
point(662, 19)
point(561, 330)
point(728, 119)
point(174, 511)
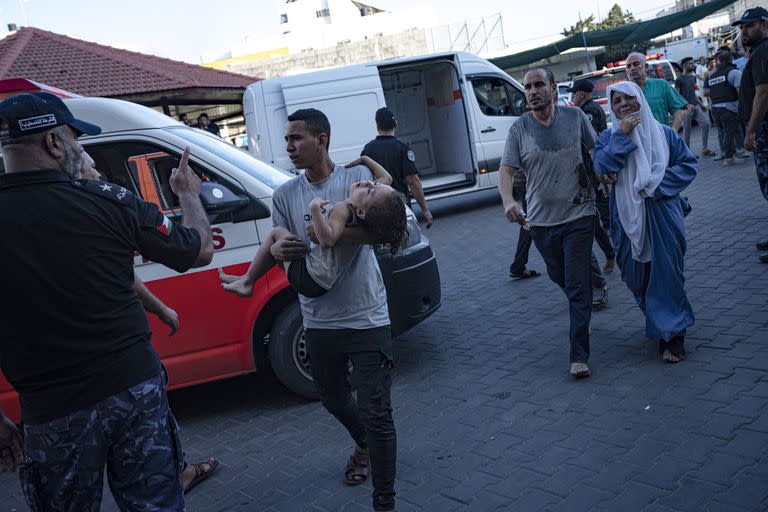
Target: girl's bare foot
point(241, 287)
point(227, 278)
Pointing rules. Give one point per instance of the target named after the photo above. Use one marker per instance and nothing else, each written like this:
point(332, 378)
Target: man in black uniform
point(581, 96)
point(398, 159)
point(753, 98)
point(722, 88)
point(76, 342)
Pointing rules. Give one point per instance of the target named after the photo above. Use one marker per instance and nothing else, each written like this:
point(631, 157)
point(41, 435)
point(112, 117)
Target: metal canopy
point(626, 34)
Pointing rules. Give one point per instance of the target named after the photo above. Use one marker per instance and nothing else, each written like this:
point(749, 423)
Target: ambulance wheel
point(288, 353)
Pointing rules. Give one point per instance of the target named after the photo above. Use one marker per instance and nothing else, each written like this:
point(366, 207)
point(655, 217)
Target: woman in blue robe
point(649, 165)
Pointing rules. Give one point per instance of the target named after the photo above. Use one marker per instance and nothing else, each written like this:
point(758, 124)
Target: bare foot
point(669, 357)
point(227, 278)
point(580, 370)
point(241, 287)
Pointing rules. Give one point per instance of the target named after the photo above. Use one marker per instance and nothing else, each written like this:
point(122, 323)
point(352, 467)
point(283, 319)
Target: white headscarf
point(644, 171)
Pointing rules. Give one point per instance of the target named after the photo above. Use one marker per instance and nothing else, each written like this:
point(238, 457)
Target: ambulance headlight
point(412, 226)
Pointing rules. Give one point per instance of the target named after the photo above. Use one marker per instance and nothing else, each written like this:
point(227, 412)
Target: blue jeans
point(567, 250)
point(132, 433)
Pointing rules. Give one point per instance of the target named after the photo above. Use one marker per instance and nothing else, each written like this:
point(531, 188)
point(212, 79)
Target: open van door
point(349, 97)
point(496, 103)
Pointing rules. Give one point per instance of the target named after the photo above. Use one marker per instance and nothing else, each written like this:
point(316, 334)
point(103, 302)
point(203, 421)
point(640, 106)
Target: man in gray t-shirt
point(549, 145)
point(351, 321)
point(686, 86)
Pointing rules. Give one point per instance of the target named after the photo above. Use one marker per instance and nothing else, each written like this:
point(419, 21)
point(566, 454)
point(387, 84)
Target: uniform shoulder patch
point(104, 189)
point(411, 156)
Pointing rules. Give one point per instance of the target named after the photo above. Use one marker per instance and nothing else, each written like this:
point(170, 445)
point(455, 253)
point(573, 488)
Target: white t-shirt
point(701, 71)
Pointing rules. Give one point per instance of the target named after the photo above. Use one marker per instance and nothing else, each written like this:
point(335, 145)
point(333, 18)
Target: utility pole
point(584, 41)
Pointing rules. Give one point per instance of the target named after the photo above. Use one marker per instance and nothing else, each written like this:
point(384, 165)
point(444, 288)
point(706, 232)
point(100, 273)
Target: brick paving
point(487, 416)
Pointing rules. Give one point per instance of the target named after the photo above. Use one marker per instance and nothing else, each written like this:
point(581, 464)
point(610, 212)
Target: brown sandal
point(358, 469)
point(201, 473)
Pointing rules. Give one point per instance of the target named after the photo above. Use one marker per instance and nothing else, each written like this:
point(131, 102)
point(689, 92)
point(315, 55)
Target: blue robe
point(658, 285)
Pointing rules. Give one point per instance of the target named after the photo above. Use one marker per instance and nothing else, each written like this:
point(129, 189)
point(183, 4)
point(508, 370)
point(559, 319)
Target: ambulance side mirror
point(223, 205)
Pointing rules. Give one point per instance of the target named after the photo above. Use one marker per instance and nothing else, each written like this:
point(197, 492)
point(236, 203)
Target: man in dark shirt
point(753, 96)
point(686, 86)
point(204, 123)
point(398, 159)
point(581, 96)
point(76, 342)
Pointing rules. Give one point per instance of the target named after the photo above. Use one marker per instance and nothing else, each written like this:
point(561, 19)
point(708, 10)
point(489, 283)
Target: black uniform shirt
point(595, 115)
point(755, 73)
point(396, 157)
point(73, 329)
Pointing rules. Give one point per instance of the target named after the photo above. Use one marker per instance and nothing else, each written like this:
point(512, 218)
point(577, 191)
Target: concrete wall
point(381, 47)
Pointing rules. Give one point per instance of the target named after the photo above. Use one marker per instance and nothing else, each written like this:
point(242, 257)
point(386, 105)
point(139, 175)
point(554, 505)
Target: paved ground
point(487, 416)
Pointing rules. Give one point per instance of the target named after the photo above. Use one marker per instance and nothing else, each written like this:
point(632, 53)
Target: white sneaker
point(728, 162)
point(721, 156)
point(740, 153)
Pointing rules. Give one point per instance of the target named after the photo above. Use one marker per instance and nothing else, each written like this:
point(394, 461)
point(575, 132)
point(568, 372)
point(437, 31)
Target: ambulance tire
point(288, 352)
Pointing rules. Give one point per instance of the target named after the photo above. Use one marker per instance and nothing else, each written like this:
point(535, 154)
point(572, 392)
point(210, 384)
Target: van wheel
point(288, 353)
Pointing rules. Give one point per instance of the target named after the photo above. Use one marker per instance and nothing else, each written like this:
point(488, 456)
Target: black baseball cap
point(29, 113)
point(581, 85)
point(385, 117)
point(750, 15)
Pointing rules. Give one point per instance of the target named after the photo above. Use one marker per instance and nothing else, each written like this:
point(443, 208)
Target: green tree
point(616, 17)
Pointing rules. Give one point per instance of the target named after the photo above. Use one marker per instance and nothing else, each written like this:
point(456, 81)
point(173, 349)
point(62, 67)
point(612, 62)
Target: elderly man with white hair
point(649, 165)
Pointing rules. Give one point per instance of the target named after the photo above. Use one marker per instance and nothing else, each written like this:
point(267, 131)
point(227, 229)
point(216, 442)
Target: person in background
point(582, 97)
point(686, 87)
point(399, 160)
point(662, 99)
point(701, 72)
point(204, 123)
point(722, 89)
point(184, 118)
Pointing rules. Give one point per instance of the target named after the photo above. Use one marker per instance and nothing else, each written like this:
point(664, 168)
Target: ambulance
point(222, 335)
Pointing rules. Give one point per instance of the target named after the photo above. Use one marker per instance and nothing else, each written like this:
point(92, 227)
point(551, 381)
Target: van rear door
point(349, 96)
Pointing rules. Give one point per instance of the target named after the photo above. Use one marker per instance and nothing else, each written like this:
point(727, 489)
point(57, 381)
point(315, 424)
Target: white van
point(453, 109)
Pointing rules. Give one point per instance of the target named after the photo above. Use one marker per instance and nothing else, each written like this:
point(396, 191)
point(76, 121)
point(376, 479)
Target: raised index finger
point(184, 158)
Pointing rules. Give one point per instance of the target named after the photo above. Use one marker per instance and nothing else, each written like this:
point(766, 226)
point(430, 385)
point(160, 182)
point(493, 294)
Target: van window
point(145, 170)
point(265, 173)
point(497, 97)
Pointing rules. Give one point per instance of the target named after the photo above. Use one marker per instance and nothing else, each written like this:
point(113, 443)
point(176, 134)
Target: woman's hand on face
point(628, 123)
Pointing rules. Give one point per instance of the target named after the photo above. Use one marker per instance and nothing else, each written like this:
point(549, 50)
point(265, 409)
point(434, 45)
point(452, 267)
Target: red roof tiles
point(92, 69)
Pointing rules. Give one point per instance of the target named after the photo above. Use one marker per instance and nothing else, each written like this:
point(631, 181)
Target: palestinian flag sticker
point(166, 227)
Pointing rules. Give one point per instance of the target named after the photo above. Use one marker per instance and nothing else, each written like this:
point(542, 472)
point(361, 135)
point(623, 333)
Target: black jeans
point(567, 249)
point(728, 124)
point(523, 239)
point(369, 418)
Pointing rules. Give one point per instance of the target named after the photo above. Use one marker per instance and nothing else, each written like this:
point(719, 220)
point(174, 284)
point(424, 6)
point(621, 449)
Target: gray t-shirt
point(687, 86)
point(358, 299)
point(551, 157)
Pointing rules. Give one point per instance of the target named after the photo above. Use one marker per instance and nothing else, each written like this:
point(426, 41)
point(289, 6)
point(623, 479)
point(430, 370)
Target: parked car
point(222, 335)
